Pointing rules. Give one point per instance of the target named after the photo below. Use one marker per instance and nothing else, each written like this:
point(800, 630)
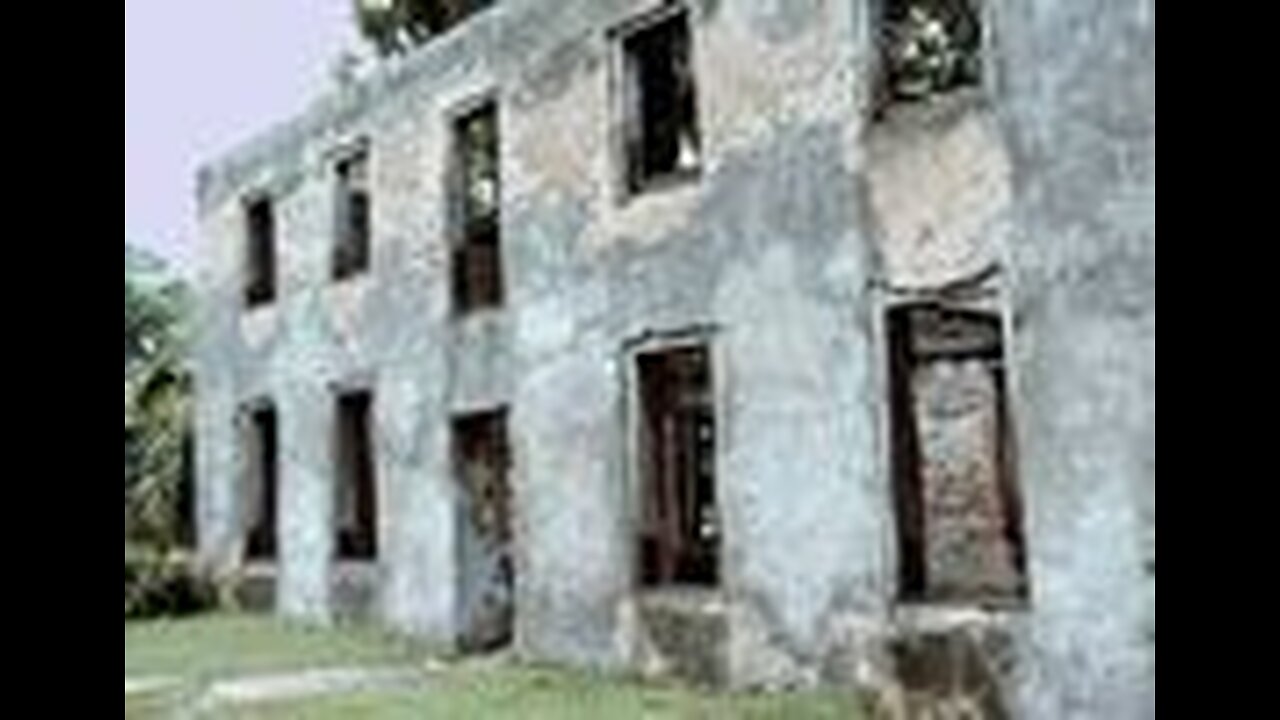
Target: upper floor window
point(259, 252)
point(660, 104)
point(433, 17)
point(396, 26)
point(353, 217)
point(476, 208)
point(929, 47)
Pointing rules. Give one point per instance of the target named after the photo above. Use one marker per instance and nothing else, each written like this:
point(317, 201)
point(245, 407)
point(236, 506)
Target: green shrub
point(159, 585)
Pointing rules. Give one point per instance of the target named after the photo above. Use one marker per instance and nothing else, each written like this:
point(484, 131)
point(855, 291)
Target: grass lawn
point(222, 646)
point(196, 652)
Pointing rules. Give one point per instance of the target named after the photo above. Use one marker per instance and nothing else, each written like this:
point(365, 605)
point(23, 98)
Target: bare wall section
point(1082, 122)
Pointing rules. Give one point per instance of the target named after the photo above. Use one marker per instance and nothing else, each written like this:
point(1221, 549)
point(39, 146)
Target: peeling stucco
point(805, 224)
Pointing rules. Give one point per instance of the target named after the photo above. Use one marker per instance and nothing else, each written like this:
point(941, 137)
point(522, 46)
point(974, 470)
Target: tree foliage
point(932, 46)
point(157, 405)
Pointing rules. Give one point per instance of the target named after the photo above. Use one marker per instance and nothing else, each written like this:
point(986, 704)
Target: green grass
point(198, 651)
point(153, 707)
point(216, 647)
point(512, 694)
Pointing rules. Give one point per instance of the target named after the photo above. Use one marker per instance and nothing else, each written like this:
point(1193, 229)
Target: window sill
point(250, 308)
point(262, 568)
point(989, 603)
point(943, 615)
point(684, 597)
point(348, 276)
point(663, 184)
point(478, 315)
point(350, 563)
point(931, 110)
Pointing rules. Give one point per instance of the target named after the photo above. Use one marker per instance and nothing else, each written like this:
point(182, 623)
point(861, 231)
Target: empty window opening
point(357, 509)
point(482, 466)
point(477, 254)
point(663, 141)
point(428, 18)
point(929, 47)
point(262, 483)
point(353, 222)
point(260, 253)
point(397, 26)
point(959, 505)
point(680, 524)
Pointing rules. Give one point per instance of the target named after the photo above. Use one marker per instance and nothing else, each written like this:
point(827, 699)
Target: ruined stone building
point(769, 343)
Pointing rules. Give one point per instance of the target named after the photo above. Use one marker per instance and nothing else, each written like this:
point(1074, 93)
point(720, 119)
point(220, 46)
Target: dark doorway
point(261, 481)
point(357, 486)
point(680, 528)
point(482, 466)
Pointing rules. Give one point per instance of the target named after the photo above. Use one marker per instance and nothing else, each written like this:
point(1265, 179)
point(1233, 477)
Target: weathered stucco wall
point(939, 183)
point(1082, 124)
point(804, 226)
point(759, 256)
point(763, 250)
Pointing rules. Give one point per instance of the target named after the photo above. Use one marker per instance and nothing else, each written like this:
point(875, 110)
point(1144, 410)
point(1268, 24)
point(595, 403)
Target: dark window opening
point(260, 253)
point(482, 466)
point(663, 141)
point(262, 486)
point(354, 217)
point(428, 18)
point(357, 509)
point(680, 527)
point(397, 26)
point(929, 47)
point(185, 513)
point(960, 514)
point(477, 254)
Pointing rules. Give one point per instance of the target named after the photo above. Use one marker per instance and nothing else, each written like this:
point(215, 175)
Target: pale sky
point(201, 77)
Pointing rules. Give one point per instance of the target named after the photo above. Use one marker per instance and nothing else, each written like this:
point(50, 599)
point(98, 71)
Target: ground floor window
point(357, 501)
point(680, 524)
point(959, 506)
point(261, 438)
